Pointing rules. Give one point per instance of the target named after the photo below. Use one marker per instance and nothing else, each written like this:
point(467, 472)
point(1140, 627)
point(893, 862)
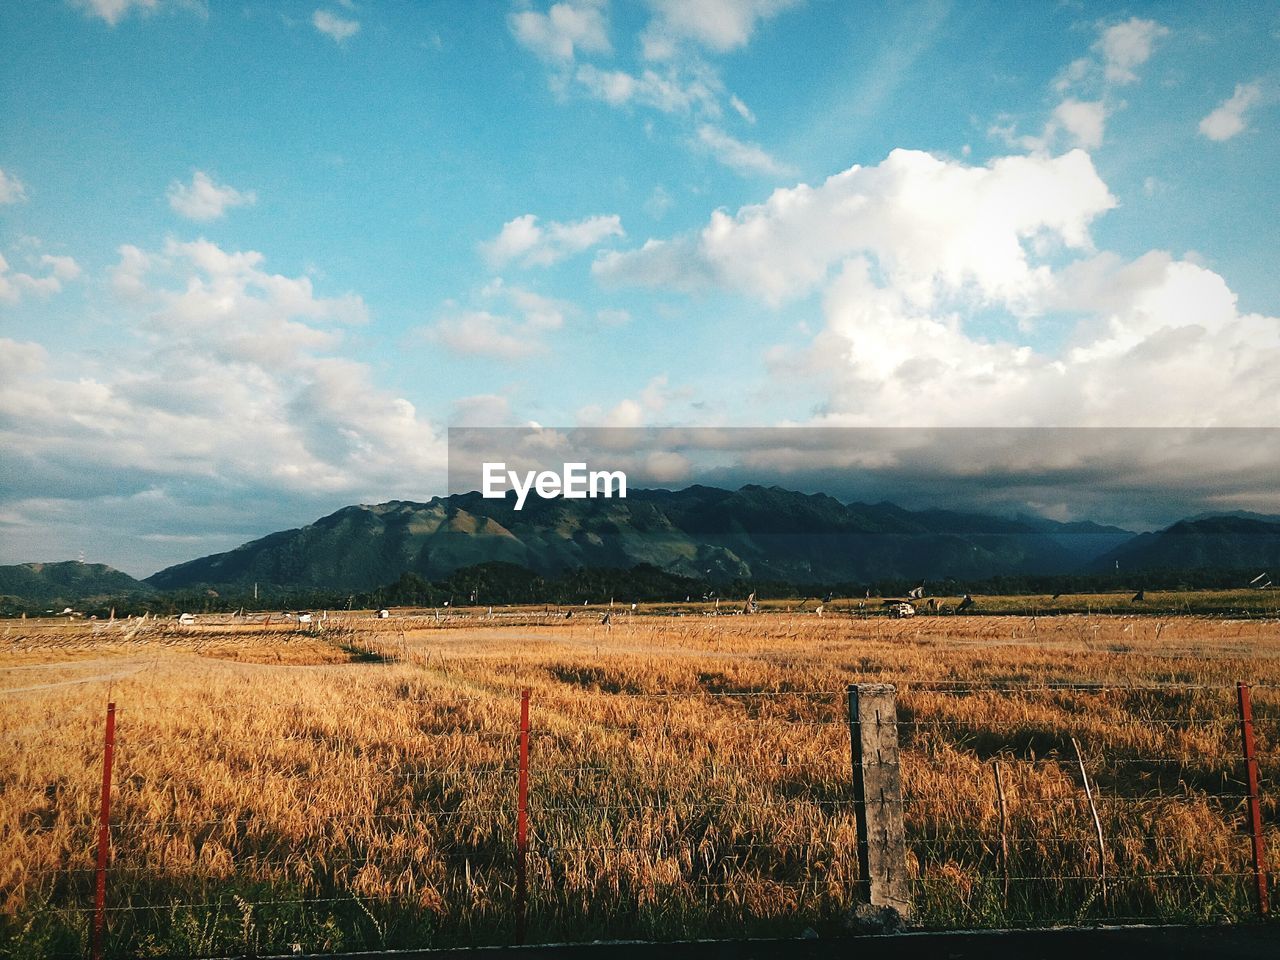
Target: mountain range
point(68, 582)
point(704, 533)
point(700, 532)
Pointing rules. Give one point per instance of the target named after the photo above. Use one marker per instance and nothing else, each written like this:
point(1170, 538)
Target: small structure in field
point(900, 609)
point(384, 613)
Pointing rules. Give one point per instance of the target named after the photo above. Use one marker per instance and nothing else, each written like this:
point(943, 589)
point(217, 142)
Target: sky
point(256, 258)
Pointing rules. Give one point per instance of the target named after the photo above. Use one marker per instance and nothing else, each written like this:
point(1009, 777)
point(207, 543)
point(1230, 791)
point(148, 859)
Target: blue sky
point(258, 257)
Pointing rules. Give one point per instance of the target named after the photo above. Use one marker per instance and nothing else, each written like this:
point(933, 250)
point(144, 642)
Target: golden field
point(353, 784)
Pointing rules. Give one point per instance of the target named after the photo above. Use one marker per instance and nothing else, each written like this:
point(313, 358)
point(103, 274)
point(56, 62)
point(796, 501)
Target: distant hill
point(1236, 542)
point(67, 583)
point(699, 532)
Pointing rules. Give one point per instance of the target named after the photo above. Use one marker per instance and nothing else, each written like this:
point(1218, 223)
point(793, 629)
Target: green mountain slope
point(701, 532)
point(67, 583)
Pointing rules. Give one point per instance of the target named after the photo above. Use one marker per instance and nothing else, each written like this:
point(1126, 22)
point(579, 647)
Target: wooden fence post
point(877, 791)
point(1245, 703)
point(1004, 835)
point(104, 835)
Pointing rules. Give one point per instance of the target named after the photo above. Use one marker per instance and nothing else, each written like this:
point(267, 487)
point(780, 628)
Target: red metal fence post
point(104, 835)
point(522, 819)
point(1255, 809)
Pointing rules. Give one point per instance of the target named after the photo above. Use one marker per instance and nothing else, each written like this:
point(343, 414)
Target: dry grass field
point(353, 785)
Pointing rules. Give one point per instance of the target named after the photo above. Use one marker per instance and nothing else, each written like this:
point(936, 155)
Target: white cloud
point(515, 332)
point(524, 240)
point(1113, 61)
point(479, 333)
point(204, 200)
point(64, 268)
point(931, 225)
point(1151, 327)
point(915, 257)
point(566, 28)
point(1115, 56)
point(113, 11)
point(720, 25)
point(541, 313)
point(748, 158)
point(742, 110)
point(1126, 46)
point(676, 90)
point(12, 190)
point(1085, 120)
point(336, 27)
point(1228, 119)
point(650, 404)
point(222, 384)
point(14, 284)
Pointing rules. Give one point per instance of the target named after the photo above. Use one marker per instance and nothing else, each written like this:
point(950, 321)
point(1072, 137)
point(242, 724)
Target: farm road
point(1166, 943)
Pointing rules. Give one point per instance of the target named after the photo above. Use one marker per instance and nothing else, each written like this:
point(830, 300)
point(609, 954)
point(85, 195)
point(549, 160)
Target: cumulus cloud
point(12, 190)
point(222, 382)
point(1115, 56)
point(930, 224)
point(1085, 121)
point(479, 333)
point(113, 11)
point(1126, 46)
point(525, 241)
point(1150, 327)
point(652, 401)
point(678, 80)
point(511, 324)
point(914, 257)
point(45, 280)
point(202, 199)
point(1113, 61)
point(334, 26)
point(1228, 119)
point(566, 28)
point(719, 25)
point(675, 90)
point(747, 158)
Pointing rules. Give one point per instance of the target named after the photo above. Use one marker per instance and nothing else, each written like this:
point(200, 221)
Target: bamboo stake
point(1097, 823)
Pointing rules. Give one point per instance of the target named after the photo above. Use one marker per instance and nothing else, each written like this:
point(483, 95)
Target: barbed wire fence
point(551, 815)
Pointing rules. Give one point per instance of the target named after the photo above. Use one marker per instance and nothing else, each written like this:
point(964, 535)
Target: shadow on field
point(1168, 943)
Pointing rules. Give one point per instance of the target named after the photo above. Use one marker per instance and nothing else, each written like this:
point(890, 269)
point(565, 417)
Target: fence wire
point(723, 806)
